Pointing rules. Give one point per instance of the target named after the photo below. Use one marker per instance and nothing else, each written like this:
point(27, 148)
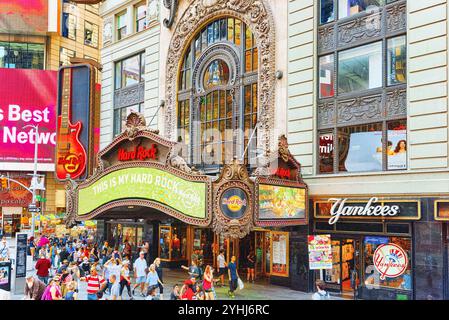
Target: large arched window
point(217, 94)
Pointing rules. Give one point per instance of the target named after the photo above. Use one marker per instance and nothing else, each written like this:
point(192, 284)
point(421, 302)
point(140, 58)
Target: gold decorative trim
point(435, 210)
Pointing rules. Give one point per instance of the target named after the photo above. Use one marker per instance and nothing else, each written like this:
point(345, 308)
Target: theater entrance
point(258, 243)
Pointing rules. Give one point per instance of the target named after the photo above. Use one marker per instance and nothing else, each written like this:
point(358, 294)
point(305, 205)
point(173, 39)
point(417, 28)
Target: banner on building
point(320, 252)
point(27, 97)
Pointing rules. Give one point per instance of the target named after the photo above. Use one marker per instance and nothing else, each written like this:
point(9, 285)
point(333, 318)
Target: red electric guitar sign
point(70, 152)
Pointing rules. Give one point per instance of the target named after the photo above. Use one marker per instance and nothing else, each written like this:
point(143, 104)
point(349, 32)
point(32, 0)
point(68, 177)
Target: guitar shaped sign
point(70, 152)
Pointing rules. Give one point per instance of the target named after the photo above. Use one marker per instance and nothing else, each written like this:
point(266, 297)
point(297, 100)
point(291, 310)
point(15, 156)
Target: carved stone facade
point(236, 176)
point(129, 96)
point(254, 13)
point(368, 26)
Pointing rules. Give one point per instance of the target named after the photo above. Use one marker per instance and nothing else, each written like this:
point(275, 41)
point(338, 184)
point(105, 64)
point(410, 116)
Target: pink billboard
point(27, 97)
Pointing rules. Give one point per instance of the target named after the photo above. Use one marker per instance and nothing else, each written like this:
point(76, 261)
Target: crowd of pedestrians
point(112, 273)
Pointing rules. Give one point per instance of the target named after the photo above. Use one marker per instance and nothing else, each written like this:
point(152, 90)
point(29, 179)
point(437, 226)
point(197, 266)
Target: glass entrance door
point(345, 265)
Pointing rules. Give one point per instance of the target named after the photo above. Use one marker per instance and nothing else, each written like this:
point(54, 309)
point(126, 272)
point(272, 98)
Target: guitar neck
point(66, 97)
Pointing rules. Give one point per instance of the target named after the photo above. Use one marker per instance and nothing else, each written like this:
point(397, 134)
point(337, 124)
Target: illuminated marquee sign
point(335, 209)
point(169, 190)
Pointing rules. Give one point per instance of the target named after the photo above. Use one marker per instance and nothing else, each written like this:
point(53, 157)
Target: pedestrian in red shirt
point(95, 283)
point(188, 290)
point(43, 266)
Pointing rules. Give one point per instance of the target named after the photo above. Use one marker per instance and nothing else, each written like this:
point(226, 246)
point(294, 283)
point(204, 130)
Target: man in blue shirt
point(233, 277)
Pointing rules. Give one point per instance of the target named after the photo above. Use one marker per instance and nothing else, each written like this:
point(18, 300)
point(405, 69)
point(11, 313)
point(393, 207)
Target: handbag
point(240, 283)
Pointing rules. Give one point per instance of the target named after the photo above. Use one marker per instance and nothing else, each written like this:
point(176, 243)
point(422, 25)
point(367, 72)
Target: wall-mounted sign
point(78, 120)
point(335, 209)
point(320, 252)
point(234, 203)
point(140, 153)
point(390, 260)
point(186, 197)
point(16, 195)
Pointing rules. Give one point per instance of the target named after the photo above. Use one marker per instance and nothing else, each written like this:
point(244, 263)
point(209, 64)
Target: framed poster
point(320, 252)
point(279, 244)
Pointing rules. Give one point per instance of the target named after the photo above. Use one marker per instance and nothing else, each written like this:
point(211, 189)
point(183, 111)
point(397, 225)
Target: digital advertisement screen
point(23, 16)
point(280, 202)
point(27, 97)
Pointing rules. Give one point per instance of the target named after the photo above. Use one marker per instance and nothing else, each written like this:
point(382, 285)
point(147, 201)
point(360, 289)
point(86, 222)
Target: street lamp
point(34, 178)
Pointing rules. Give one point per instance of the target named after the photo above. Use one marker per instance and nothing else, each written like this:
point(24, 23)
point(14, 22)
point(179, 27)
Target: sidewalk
point(261, 290)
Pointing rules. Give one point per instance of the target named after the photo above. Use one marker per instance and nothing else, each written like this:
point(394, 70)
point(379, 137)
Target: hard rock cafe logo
point(234, 203)
point(390, 260)
point(70, 162)
point(138, 153)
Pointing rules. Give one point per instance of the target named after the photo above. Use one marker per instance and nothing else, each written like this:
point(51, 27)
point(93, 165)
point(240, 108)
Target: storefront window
point(360, 68)
point(11, 221)
point(397, 145)
point(16, 55)
point(372, 278)
point(348, 8)
point(173, 242)
point(326, 149)
point(203, 241)
point(164, 242)
point(360, 148)
point(327, 11)
point(396, 60)
point(327, 76)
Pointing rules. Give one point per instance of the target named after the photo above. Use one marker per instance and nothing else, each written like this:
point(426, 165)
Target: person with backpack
point(321, 293)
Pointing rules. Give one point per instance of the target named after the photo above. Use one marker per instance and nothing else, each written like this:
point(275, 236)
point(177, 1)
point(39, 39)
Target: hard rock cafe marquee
point(140, 169)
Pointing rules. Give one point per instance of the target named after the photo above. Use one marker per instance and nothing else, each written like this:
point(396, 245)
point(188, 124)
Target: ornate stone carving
point(326, 114)
point(179, 163)
point(396, 17)
point(129, 96)
point(360, 29)
point(233, 175)
point(396, 104)
point(221, 51)
point(360, 109)
point(326, 38)
point(172, 5)
point(257, 15)
point(134, 123)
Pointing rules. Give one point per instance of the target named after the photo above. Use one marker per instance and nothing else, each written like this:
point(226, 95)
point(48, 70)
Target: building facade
point(359, 88)
point(60, 30)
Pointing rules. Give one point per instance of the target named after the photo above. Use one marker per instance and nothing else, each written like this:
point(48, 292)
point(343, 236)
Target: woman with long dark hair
point(401, 147)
